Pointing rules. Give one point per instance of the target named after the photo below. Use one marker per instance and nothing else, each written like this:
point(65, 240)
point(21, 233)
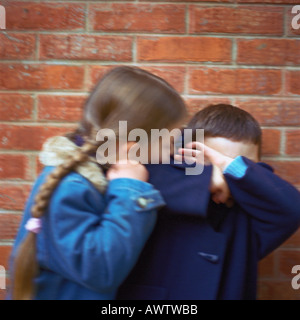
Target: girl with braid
point(85, 224)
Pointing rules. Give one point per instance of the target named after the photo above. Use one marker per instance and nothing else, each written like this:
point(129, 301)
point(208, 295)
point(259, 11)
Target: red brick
point(293, 241)
point(288, 170)
point(281, 112)
point(96, 72)
point(13, 166)
point(39, 166)
point(27, 137)
point(277, 290)
point(15, 107)
point(174, 75)
point(268, 51)
point(162, 18)
point(288, 259)
point(292, 81)
point(16, 46)
point(271, 142)
point(9, 224)
point(269, 1)
point(39, 76)
point(290, 17)
point(85, 47)
point(266, 267)
point(234, 81)
point(179, 49)
point(5, 251)
point(188, 0)
point(292, 146)
point(242, 20)
point(12, 196)
point(196, 104)
point(39, 16)
point(60, 108)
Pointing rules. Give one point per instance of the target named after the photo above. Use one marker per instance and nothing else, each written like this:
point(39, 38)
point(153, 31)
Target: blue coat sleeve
point(272, 203)
point(94, 248)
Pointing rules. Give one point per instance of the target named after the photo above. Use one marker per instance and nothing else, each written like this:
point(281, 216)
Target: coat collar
point(57, 150)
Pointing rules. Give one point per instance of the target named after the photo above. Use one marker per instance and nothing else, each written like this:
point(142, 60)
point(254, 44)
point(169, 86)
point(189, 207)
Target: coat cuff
point(237, 168)
point(144, 196)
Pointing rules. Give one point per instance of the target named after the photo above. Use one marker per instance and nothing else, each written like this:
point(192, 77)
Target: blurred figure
point(81, 235)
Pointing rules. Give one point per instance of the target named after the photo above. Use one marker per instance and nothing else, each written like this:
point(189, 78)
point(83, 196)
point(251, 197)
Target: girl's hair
point(125, 93)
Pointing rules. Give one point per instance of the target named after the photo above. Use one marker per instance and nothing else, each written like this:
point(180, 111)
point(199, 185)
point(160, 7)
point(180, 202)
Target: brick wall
point(239, 51)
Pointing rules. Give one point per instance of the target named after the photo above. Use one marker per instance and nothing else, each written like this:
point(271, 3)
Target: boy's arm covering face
point(272, 203)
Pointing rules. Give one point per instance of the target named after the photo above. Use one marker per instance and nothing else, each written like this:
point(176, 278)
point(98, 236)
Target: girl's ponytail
point(25, 264)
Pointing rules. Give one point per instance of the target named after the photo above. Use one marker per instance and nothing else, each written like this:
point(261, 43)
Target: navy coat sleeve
point(272, 203)
point(183, 194)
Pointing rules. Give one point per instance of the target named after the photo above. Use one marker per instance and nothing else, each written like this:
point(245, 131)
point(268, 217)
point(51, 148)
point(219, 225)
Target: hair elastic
point(34, 225)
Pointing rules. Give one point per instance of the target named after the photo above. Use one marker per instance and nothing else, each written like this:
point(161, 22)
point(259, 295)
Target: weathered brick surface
point(242, 52)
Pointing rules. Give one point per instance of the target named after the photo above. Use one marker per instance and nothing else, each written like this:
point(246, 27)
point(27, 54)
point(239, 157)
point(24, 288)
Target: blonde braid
point(26, 265)
point(46, 190)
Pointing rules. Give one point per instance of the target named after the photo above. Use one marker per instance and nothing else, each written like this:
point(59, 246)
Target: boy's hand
point(128, 169)
point(200, 153)
point(219, 188)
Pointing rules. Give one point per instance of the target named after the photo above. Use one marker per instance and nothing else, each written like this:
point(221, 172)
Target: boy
point(215, 228)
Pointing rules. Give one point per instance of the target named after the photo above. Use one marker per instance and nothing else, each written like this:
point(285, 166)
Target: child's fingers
point(210, 154)
point(189, 152)
point(188, 160)
point(195, 145)
point(205, 154)
point(199, 146)
point(198, 149)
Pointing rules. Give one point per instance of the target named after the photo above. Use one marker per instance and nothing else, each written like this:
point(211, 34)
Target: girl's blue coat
point(89, 241)
point(200, 250)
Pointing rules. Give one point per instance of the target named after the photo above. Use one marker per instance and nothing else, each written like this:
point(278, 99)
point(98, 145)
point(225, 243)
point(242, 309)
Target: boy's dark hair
point(227, 121)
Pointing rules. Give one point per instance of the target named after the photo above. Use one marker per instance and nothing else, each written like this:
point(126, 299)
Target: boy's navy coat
point(200, 250)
